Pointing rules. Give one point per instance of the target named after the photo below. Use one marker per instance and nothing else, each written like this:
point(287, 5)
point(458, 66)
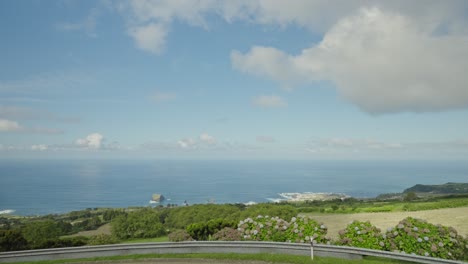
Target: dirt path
point(454, 217)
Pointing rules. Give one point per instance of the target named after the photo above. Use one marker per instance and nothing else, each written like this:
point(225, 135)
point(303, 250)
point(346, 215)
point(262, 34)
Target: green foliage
point(181, 217)
point(38, 233)
point(410, 196)
point(102, 239)
point(227, 234)
point(284, 211)
point(179, 235)
point(12, 240)
point(419, 237)
point(361, 234)
point(139, 224)
point(204, 230)
point(110, 214)
point(298, 230)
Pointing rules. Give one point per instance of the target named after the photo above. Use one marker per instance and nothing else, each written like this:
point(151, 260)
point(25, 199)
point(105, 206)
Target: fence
point(210, 247)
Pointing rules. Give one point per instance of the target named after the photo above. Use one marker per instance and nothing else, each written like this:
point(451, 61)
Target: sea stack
point(157, 197)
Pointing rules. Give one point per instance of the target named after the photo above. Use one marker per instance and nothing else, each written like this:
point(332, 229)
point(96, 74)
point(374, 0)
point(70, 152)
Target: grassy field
point(233, 258)
point(146, 240)
point(105, 229)
point(454, 217)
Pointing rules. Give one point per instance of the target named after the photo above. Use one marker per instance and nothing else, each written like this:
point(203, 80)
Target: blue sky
point(234, 79)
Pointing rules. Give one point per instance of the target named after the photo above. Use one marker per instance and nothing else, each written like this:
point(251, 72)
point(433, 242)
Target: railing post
point(311, 248)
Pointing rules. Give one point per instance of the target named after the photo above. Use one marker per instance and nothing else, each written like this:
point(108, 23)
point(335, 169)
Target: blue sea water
point(37, 187)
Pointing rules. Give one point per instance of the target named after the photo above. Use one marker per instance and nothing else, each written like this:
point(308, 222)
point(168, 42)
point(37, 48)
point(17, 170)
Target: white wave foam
point(276, 200)
point(8, 211)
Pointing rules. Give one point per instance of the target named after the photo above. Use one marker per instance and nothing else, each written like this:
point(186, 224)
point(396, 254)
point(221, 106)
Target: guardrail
point(211, 247)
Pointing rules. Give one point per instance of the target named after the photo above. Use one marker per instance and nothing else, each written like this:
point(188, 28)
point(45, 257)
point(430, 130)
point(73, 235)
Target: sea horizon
point(45, 186)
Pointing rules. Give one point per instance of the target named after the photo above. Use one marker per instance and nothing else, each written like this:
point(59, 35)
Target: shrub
point(204, 230)
point(139, 224)
point(179, 235)
point(227, 234)
point(416, 236)
point(361, 234)
point(298, 230)
point(12, 240)
point(263, 228)
point(103, 239)
point(304, 229)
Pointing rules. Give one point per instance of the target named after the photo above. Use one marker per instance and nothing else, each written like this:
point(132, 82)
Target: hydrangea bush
point(298, 230)
point(227, 234)
point(361, 234)
point(415, 236)
point(179, 235)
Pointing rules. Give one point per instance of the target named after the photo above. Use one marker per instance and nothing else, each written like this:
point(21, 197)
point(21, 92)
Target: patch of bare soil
point(454, 217)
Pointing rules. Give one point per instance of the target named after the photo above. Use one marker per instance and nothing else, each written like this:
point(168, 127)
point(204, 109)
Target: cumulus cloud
point(150, 37)
point(381, 61)
point(269, 101)
point(187, 143)
point(92, 141)
point(9, 126)
point(210, 140)
point(204, 141)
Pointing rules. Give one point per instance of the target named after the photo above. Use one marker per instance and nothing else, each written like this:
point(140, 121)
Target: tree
point(140, 224)
point(37, 233)
point(11, 240)
point(410, 196)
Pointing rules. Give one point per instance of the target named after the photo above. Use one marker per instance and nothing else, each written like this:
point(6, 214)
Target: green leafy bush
point(102, 239)
point(204, 230)
point(12, 240)
point(415, 236)
point(361, 234)
point(227, 234)
point(179, 235)
point(298, 230)
point(139, 224)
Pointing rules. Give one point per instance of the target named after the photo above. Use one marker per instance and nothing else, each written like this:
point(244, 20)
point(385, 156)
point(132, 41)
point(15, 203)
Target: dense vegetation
point(447, 188)
point(265, 222)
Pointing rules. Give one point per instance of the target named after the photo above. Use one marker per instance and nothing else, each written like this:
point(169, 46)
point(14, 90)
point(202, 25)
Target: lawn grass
point(271, 258)
point(146, 240)
point(338, 207)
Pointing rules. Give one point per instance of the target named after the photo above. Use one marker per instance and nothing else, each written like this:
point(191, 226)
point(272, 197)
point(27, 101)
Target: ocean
point(38, 187)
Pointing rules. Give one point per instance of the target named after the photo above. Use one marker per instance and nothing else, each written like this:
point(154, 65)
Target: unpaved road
point(454, 217)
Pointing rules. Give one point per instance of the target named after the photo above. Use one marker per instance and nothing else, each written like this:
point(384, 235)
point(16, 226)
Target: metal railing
point(245, 247)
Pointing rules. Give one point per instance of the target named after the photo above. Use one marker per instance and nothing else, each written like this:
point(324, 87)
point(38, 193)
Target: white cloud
point(9, 126)
point(350, 145)
point(92, 141)
point(159, 97)
point(380, 61)
point(316, 15)
point(150, 37)
point(187, 143)
point(269, 101)
point(210, 140)
point(39, 147)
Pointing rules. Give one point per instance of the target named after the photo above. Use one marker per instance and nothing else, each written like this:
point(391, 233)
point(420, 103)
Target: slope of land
point(454, 217)
point(447, 188)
